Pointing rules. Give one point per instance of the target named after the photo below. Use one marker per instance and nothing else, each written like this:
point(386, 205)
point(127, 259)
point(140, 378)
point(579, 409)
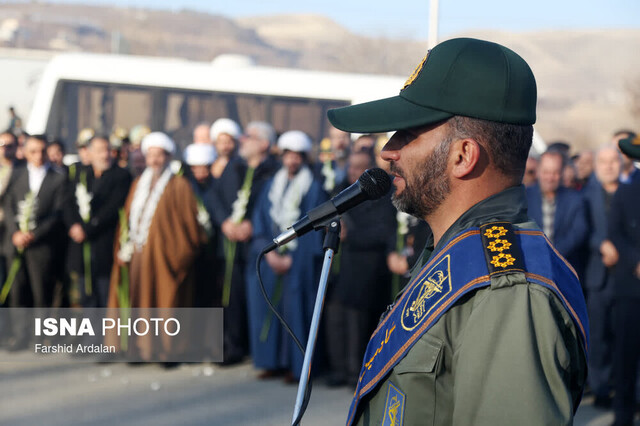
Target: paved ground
point(59, 392)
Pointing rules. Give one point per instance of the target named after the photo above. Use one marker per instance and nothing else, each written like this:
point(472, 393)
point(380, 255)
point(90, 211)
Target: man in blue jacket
point(560, 212)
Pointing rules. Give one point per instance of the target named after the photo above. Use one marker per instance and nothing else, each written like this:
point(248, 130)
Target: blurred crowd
point(578, 201)
point(136, 223)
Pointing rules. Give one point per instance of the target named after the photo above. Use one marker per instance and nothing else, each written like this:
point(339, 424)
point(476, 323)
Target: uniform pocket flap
point(422, 358)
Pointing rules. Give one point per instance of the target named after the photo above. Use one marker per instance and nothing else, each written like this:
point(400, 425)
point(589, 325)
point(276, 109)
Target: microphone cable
point(307, 391)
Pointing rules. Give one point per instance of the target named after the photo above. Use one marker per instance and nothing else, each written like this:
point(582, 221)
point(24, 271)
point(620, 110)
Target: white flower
point(329, 176)
point(203, 218)
point(84, 198)
point(126, 251)
point(403, 223)
point(239, 206)
point(26, 208)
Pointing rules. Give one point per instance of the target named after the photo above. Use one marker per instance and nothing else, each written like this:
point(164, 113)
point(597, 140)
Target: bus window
point(90, 101)
point(252, 108)
point(131, 107)
point(100, 107)
point(176, 112)
point(185, 110)
point(292, 114)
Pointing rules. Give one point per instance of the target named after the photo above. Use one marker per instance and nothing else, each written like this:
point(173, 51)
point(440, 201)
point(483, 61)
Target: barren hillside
point(583, 76)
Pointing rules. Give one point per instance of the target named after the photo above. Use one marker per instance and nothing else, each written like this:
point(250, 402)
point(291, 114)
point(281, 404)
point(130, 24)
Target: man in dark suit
point(96, 193)
point(561, 212)
point(31, 225)
point(8, 145)
point(599, 279)
point(624, 229)
point(362, 288)
point(33, 209)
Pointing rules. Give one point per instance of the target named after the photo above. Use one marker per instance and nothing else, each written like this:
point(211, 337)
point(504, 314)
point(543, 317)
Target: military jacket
point(504, 354)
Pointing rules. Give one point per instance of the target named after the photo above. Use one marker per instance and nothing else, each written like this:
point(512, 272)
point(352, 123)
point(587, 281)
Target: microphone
point(371, 185)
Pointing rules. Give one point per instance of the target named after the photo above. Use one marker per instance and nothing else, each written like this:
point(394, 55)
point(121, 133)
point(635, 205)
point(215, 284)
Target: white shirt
point(36, 176)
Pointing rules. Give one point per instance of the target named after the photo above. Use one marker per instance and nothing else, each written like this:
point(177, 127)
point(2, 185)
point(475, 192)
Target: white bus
point(173, 95)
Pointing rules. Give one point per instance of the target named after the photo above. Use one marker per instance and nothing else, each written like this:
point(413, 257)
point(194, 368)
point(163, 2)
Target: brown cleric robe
point(162, 274)
point(166, 261)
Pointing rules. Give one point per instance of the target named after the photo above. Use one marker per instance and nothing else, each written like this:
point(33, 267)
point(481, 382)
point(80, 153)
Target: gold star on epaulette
point(499, 245)
point(495, 232)
point(508, 260)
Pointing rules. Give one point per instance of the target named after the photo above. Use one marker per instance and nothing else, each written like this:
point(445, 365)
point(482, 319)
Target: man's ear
point(466, 156)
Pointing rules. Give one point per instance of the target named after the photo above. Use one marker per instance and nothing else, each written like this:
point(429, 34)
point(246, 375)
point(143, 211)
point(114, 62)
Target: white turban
point(158, 140)
point(225, 125)
point(295, 140)
point(199, 154)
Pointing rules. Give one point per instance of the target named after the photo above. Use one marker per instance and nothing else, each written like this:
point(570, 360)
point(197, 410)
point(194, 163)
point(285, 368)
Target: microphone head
point(374, 183)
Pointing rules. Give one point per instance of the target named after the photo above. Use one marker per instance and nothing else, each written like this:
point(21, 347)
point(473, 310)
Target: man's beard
point(425, 193)
point(158, 170)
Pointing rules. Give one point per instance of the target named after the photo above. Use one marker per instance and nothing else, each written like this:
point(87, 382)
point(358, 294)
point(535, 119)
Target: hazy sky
point(407, 18)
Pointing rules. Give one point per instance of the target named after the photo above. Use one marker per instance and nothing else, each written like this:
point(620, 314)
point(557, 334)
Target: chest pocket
point(422, 358)
point(417, 376)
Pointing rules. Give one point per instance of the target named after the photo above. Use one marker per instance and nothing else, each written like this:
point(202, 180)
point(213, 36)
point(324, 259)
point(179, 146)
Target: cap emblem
point(416, 71)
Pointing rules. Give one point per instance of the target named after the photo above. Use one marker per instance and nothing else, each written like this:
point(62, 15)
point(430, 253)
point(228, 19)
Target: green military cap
point(630, 146)
point(462, 76)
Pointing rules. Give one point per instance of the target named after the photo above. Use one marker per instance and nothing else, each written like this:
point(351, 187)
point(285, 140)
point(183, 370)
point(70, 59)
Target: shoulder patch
point(394, 407)
point(501, 248)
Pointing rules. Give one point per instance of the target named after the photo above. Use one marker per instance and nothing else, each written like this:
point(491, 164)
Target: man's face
point(339, 141)
point(292, 161)
point(34, 152)
point(123, 153)
point(201, 134)
point(418, 159)
point(364, 142)
point(138, 161)
point(358, 163)
point(8, 146)
point(380, 162)
point(100, 154)
point(530, 172)
point(627, 163)
point(224, 145)
point(569, 177)
point(252, 144)
point(156, 159)
point(200, 173)
point(22, 139)
point(54, 154)
point(550, 173)
point(608, 165)
point(584, 165)
point(83, 153)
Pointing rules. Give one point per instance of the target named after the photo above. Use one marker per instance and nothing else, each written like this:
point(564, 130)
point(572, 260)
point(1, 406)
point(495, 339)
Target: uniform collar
point(509, 205)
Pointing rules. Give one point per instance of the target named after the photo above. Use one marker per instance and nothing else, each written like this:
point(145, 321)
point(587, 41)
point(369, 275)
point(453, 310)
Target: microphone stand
point(330, 246)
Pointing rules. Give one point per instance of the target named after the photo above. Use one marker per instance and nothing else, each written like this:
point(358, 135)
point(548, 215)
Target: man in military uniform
point(492, 328)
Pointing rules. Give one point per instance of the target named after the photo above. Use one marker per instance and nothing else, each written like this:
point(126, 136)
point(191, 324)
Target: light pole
point(433, 23)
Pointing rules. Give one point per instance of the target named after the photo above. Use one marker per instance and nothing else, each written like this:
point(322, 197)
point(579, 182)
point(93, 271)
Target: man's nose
point(391, 150)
